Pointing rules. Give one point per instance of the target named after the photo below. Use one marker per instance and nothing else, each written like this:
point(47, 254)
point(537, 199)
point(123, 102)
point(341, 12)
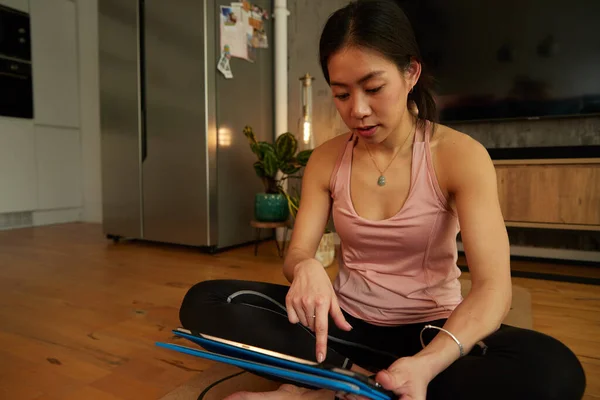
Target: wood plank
point(553, 194)
point(553, 267)
point(543, 225)
point(548, 161)
point(85, 392)
point(592, 369)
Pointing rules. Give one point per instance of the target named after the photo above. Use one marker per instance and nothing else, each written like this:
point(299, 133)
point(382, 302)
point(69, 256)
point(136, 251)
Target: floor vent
point(14, 220)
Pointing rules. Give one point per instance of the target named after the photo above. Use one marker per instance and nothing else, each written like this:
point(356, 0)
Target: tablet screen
point(251, 348)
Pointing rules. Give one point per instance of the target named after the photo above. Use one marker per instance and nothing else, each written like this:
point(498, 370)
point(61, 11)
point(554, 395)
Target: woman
point(398, 187)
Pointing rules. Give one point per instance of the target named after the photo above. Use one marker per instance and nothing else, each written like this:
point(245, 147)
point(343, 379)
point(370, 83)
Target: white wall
point(21, 5)
point(89, 92)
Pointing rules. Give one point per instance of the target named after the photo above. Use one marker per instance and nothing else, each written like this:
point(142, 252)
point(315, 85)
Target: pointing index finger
point(321, 328)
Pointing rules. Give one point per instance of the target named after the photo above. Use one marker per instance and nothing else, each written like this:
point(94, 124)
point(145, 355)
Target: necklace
point(381, 181)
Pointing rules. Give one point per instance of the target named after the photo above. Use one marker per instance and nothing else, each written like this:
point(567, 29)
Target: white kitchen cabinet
point(40, 159)
point(18, 188)
point(54, 62)
point(59, 182)
point(21, 5)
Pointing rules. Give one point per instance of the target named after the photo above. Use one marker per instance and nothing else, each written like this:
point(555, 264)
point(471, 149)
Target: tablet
point(205, 340)
point(260, 355)
point(288, 374)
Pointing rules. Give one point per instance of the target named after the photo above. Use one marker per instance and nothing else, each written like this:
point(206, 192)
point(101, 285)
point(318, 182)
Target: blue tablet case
point(316, 376)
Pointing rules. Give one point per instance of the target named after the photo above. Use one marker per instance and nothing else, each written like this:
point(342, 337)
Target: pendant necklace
point(381, 181)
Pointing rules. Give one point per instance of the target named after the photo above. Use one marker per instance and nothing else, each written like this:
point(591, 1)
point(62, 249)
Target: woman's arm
point(470, 178)
point(315, 204)
point(311, 297)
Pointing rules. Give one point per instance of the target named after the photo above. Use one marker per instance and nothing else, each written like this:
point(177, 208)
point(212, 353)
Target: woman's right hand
point(311, 299)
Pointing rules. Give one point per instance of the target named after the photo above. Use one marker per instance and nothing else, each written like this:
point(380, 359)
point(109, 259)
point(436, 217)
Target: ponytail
point(422, 97)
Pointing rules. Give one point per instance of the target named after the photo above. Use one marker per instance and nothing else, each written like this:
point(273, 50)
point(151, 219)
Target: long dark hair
point(383, 26)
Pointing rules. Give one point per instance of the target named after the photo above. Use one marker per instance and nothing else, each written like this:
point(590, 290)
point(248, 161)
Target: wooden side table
point(270, 225)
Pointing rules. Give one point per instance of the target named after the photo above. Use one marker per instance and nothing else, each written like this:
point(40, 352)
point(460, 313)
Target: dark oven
point(16, 82)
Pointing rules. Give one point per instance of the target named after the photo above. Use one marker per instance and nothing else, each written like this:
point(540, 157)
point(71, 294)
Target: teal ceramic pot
point(271, 207)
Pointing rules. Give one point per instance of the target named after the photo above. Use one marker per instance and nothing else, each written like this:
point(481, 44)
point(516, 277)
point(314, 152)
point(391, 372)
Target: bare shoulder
point(324, 157)
point(330, 149)
point(452, 143)
point(460, 157)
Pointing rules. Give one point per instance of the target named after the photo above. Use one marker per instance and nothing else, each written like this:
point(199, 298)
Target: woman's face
point(370, 92)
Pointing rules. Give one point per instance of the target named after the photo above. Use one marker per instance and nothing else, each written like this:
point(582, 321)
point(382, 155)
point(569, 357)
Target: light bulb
point(306, 119)
point(306, 132)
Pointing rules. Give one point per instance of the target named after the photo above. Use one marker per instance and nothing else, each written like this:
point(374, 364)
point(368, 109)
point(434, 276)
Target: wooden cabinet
point(563, 194)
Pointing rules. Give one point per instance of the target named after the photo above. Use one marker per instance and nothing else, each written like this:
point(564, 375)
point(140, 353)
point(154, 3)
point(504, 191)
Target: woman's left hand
point(407, 377)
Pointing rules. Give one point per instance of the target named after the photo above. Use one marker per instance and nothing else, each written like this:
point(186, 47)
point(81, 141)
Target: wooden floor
point(80, 315)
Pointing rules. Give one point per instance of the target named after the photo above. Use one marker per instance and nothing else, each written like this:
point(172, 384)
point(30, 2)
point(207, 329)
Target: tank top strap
point(421, 133)
point(427, 131)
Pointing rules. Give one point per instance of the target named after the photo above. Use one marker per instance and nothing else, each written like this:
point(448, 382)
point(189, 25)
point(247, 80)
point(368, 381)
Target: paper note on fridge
point(233, 31)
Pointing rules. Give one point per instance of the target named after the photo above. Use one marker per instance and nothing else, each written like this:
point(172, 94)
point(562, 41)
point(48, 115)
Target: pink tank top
point(403, 269)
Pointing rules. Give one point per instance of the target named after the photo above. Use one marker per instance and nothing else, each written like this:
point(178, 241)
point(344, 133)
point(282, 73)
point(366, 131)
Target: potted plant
point(275, 164)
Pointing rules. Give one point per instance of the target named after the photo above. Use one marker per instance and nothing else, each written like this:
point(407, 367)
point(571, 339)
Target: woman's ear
point(413, 73)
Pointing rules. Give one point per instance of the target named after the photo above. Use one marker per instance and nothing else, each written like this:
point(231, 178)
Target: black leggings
point(514, 363)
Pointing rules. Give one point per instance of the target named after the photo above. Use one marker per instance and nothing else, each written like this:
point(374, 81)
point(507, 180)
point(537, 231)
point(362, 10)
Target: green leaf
point(289, 168)
point(270, 164)
point(255, 149)
point(294, 205)
point(259, 168)
point(249, 133)
point(285, 146)
point(303, 157)
point(265, 148)
point(295, 201)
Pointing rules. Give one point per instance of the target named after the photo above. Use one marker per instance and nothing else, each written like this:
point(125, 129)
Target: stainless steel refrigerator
point(176, 167)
